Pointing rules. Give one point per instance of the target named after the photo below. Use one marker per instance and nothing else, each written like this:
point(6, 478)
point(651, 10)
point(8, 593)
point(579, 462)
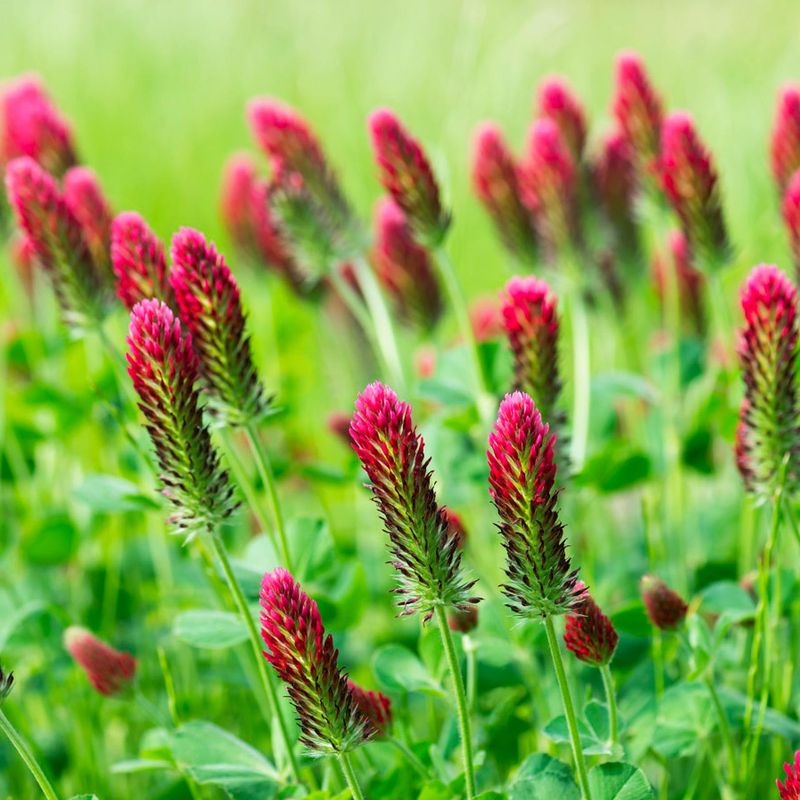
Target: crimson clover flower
point(790, 209)
point(404, 267)
point(665, 607)
point(495, 178)
point(557, 101)
point(236, 201)
point(691, 282)
point(6, 684)
point(522, 474)
point(58, 242)
point(588, 633)
point(305, 659)
point(164, 369)
point(108, 670)
point(375, 706)
point(767, 351)
point(207, 297)
point(790, 788)
point(139, 261)
point(785, 143)
point(406, 174)
point(425, 551)
point(689, 180)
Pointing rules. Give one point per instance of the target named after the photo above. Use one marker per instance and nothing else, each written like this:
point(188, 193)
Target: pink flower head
point(306, 660)
point(139, 261)
point(236, 200)
point(522, 474)
point(85, 198)
point(558, 102)
point(637, 108)
point(107, 669)
point(164, 369)
point(768, 352)
point(691, 282)
point(486, 318)
point(588, 633)
point(790, 788)
point(406, 174)
point(30, 125)
point(425, 553)
point(665, 607)
point(404, 267)
point(375, 706)
point(689, 180)
point(785, 144)
point(495, 180)
point(791, 217)
point(207, 297)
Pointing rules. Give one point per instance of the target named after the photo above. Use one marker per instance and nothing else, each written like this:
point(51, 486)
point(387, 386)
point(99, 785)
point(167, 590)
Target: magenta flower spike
point(406, 174)
point(557, 101)
point(588, 633)
point(495, 179)
point(85, 198)
point(522, 475)
point(404, 267)
point(665, 607)
point(164, 369)
point(770, 431)
point(207, 297)
point(58, 242)
point(785, 143)
point(306, 660)
point(375, 706)
point(791, 217)
point(110, 671)
point(236, 201)
point(790, 788)
point(689, 180)
point(139, 261)
point(425, 552)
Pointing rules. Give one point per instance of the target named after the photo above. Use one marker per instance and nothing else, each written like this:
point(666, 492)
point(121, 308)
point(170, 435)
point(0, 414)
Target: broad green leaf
point(685, 719)
point(542, 777)
point(592, 729)
point(727, 597)
point(632, 619)
point(209, 629)
point(398, 669)
point(111, 494)
point(51, 541)
point(619, 781)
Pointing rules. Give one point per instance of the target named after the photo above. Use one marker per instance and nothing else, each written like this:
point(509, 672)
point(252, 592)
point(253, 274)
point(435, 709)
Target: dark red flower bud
point(790, 788)
point(107, 669)
point(85, 198)
point(791, 217)
point(463, 621)
point(665, 607)
point(558, 102)
point(375, 706)
point(785, 144)
point(589, 633)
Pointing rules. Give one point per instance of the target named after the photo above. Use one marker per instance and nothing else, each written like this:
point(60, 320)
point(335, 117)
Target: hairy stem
point(350, 776)
point(26, 754)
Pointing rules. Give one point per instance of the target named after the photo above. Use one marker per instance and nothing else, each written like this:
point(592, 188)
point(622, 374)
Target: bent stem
point(26, 754)
point(461, 700)
point(611, 699)
point(350, 776)
point(569, 708)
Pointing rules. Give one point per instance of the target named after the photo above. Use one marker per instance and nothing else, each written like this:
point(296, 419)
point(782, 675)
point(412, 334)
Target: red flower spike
point(375, 706)
point(691, 282)
point(404, 267)
point(689, 180)
point(785, 144)
point(406, 174)
point(305, 659)
point(139, 261)
point(589, 633)
point(767, 352)
point(557, 101)
point(164, 369)
point(425, 553)
point(207, 297)
point(108, 670)
point(637, 108)
point(665, 608)
point(495, 180)
point(85, 198)
point(58, 242)
point(236, 200)
point(522, 473)
point(791, 217)
point(790, 788)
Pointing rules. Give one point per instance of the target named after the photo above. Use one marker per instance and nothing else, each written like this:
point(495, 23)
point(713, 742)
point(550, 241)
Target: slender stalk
point(255, 642)
point(658, 662)
point(245, 483)
point(724, 728)
point(408, 754)
point(472, 689)
point(26, 754)
point(461, 700)
point(569, 709)
point(350, 776)
point(611, 699)
point(581, 380)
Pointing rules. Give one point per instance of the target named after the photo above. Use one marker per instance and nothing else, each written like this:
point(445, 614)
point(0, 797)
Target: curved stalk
point(26, 754)
point(611, 699)
point(350, 776)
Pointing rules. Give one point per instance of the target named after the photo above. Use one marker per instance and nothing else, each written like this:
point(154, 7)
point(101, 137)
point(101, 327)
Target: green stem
point(581, 380)
point(461, 700)
point(658, 662)
point(569, 708)
point(472, 672)
point(724, 727)
point(245, 483)
point(255, 642)
point(26, 754)
point(611, 699)
point(350, 776)
point(409, 755)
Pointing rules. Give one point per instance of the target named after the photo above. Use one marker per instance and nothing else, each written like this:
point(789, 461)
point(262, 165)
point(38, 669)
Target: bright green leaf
point(618, 781)
point(209, 630)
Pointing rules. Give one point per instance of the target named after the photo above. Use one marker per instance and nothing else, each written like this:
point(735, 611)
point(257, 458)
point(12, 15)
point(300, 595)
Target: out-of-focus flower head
point(791, 217)
point(108, 670)
point(785, 144)
point(375, 706)
point(557, 101)
point(85, 198)
point(665, 607)
point(486, 318)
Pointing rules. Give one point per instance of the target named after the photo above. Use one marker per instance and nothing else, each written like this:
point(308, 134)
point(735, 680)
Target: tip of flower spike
point(766, 285)
point(375, 397)
point(558, 102)
point(22, 172)
point(790, 788)
point(263, 112)
point(382, 122)
point(78, 180)
point(629, 64)
point(677, 124)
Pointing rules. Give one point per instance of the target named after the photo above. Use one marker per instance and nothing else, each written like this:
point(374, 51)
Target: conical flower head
point(404, 267)
point(785, 144)
point(637, 108)
point(108, 670)
point(375, 706)
point(495, 179)
point(791, 217)
point(164, 370)
point(522, 474)
point(790, 788)
point(58, 242)
point(768, 352)
point(6, 684)
point(558, 102)
point(425, 553)
point(588, 633)
point(665, 607)
point(689, 180)
point(407, 176)
point(207, 296)
point(305, 659)
point(139, 261)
